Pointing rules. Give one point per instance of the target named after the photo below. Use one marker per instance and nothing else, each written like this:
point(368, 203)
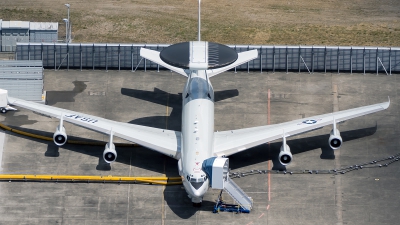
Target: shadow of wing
point(52, 97)
point(136, 156)
point(222, 95)
point(157, 96)
point(265, 152)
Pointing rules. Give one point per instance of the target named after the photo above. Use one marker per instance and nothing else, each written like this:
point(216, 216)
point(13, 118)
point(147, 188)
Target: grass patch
point(302, 22)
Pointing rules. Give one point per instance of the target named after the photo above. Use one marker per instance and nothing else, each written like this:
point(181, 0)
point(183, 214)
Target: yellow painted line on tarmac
point(35, 177)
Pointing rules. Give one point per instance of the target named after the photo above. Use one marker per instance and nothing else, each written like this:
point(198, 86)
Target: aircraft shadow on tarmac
point(17, 120)
point(174, 101)
point(176, 196)
point(52, 97)
point(146, 159)
point(265, 152)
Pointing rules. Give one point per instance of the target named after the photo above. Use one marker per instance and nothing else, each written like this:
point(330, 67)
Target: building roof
point(43, 26)
point(15, 25)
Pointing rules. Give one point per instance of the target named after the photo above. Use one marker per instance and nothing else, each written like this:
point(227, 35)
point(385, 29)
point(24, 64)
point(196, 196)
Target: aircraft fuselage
point(197, 133)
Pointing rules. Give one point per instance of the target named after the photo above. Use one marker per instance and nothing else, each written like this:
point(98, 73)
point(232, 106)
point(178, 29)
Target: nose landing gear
point(197, 205)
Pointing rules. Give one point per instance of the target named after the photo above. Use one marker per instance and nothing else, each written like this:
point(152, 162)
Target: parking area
point(365, 196)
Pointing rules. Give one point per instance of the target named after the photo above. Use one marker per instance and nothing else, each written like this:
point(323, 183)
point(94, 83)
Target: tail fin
point(243, 57)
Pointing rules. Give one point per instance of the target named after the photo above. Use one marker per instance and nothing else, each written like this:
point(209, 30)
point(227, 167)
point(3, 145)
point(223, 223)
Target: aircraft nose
point(197, 193)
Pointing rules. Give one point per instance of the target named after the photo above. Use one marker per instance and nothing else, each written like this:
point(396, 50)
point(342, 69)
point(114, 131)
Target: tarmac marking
point(2, 139)
point(269, 148)
point(163, 189)
point(338, 180)
point(163, 201)
point(166, 113)
point(269, 161)
point(129, 188)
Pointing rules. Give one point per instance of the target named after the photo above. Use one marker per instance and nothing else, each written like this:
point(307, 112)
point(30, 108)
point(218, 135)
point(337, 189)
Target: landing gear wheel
point(197, 205)
point(3, 110)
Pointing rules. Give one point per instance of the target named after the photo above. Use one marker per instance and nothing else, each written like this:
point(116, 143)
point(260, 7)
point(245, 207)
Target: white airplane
point(197, 141)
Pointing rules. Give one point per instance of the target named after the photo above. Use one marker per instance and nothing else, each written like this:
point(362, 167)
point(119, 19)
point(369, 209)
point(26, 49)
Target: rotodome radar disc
point(219, 55)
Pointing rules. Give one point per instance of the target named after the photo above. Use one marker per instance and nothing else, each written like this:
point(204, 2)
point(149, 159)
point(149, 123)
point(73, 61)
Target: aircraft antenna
point(199, 22)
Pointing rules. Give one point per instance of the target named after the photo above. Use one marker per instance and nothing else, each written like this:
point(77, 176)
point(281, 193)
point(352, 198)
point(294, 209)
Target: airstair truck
point(217, 169)
point(4, 107)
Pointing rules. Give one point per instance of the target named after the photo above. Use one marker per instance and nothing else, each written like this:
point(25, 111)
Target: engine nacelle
point(60, 136)
point(285, 156)
point(335, 140)
point(109, 154)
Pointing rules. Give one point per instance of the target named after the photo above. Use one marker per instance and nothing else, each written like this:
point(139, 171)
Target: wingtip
point(387, 104)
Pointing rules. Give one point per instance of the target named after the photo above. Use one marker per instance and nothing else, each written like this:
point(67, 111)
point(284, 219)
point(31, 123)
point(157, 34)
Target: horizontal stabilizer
point(154, 56)
point(243, 57)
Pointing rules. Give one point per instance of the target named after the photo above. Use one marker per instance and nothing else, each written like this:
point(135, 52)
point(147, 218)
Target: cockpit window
point(197, 185)
point(201, 179)
point(199, 89)
point(196, 182)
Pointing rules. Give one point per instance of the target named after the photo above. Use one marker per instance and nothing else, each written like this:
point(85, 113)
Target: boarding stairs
point(238, 194)
point(217, 169)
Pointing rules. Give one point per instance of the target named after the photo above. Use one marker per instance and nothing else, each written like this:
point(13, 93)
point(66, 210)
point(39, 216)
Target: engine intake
point(285, 156)
point(60, 136)
point(109, 154)
point(335, 140)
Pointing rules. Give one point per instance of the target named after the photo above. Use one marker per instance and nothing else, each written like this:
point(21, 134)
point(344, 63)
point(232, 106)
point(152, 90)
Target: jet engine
point(109, 154)
point(335, 140)
point(285, 156)
point(60, 137)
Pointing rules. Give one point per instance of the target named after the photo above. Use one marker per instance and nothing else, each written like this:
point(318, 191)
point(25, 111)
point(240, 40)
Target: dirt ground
point(272, 22)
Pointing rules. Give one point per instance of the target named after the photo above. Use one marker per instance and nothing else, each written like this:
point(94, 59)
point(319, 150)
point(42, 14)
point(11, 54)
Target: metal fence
point(271, 58)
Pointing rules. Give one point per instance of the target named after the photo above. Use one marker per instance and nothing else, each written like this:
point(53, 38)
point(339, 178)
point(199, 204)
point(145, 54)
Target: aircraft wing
point(163, 141)
point(233, 141)
point(155, 57)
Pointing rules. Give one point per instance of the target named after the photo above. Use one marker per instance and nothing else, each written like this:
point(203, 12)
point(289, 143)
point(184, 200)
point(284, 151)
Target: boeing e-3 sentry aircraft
point(197, 141)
